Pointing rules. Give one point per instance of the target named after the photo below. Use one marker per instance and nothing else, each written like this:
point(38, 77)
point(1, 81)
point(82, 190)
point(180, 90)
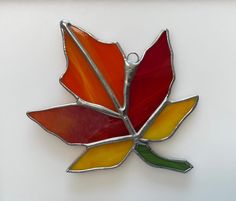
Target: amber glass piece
point(151, 82)
point(169, 119)
point(80, 78)
point(76, 124)
point(102, 156)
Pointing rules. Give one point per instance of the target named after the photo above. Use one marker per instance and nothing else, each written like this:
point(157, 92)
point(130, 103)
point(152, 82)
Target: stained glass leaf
point(151, 158)
point(88, 60)
point(102, 156)
point(151, 81)
point(79, 124)
point(116, 102)
point(169, 118)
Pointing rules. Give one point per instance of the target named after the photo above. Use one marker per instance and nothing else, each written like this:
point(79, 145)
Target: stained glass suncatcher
point(120, 105)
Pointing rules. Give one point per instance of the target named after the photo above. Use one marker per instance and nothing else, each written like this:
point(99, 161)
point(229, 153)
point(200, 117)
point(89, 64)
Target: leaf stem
point(153, 159)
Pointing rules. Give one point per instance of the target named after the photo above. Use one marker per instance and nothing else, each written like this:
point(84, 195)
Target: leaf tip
point(166, 31)
point(64, 24)
point(30, 114)
point(195, 100)
point(189, 167)
point(68, 170)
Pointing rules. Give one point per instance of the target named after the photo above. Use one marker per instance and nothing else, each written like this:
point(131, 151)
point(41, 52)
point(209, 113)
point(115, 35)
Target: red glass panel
point(151, 82)
point(76, 124)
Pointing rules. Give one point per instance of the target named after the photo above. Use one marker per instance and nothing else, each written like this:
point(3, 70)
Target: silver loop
point(134, 55)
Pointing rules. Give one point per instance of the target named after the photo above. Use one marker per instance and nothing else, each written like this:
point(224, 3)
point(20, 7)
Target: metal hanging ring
point(133, 57)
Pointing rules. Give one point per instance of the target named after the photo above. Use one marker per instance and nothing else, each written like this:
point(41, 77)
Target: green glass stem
point(151, 158)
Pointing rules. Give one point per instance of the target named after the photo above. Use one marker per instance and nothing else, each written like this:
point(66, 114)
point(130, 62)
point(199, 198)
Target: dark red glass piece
point(151, 82)
point(77, 124)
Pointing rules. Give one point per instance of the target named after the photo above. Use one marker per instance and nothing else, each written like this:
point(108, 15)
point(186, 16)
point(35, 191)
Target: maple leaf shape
point(120, 105)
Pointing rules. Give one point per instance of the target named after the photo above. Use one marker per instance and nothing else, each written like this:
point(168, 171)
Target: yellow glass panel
point(170, 117)
point(103, 156)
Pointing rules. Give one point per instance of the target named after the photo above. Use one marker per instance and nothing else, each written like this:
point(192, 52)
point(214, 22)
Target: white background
point(203, 37)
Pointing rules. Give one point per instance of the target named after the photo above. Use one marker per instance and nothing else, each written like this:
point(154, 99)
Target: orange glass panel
point(169, 119)
point(102, 156)
point(108, 59)
point(80, 77)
